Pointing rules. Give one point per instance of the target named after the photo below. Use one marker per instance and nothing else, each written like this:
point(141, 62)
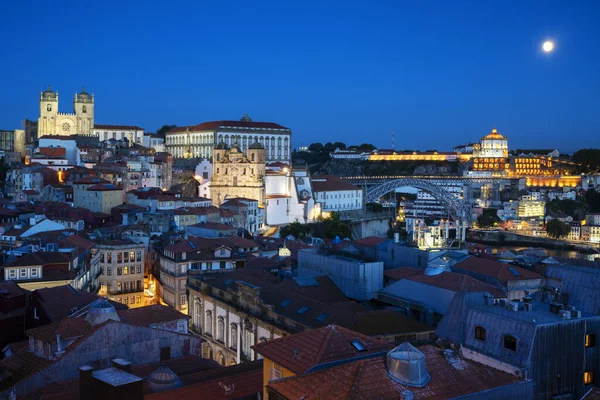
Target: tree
point(557, 229)
point(488, 219)
point(296, 229)
point(593, 200)
point(339, 145)
point(588, 158)
point(164, 129)
point(366, 147)
point(315, 147)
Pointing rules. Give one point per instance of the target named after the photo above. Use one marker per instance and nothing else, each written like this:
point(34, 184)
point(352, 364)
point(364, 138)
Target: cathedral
point(236, 174)
point(52, 122)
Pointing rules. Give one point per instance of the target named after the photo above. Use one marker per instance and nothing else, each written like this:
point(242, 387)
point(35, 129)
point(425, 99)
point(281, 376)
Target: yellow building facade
point(52, 122)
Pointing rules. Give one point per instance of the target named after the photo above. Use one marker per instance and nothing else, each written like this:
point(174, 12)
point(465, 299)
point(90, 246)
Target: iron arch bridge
point(457, 208)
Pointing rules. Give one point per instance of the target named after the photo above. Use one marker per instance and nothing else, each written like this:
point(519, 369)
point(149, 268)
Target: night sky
point(438, 74)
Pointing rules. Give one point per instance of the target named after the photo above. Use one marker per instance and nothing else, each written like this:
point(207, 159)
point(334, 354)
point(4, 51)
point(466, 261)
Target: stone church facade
point(238, 174)
point(52, 122)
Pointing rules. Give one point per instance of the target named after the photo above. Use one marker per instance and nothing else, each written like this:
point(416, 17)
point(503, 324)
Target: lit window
point(588, 377)
point(590, 340)
point(276, 371)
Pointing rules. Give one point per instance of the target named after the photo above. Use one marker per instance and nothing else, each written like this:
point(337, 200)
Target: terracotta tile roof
point(215, 226)
point(59, 301)
point(495, 269)
point(67, 328)
point(456, 282)
point(102, 187)
point(261, 262)
point(90, 180)
point(22, 364)
point(217, 125)
point(119, 127)
point(195, 243)
point(53, 151)
point(303, 351)
point(592, 394)
point(41, 258)
point(150, 315)
point(370, 241)
point(9, 289)
point(77, 241)
point(329, 183)
point(368, 379)
point(400, 273)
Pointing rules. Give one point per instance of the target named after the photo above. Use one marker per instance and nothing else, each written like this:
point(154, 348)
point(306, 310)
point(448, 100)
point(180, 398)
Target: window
point(34, 272)
point(165, 353)
point(480, 333)
point(139, 269)
point(510, 343)
point(84, 109)
point(588, 377)
point(223, 265)
point(126, 257)
point(276, 371)
point(119, 271)
point(139, 256)
point(183, 300)
point(208, 323)
point(119, 258)
point(125, 300)
point(109, 271)
point(23, 273)
point(101, 256)
point(221, 330)
point(101, 270)
point(235, 181)
point(590, 340)
point(132, 300)
point(222, 252)
point(139, 286)
point(234, 336)
point(12, 273)
point(49, 107)
point(209, 265)
point(126, 286)
point(109, 257)
point(125, 270)
point(139, 299)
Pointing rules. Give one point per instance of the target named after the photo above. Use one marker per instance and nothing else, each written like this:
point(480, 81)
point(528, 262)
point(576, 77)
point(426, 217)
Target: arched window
point(84, 109)
point(221, 330)
point(510, 342)
point(234, 336)
point(480, 333)
point(49, 107)
point(209, 323)
point(252, 157)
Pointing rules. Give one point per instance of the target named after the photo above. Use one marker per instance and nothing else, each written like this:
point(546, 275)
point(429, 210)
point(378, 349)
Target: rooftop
point(150, 315)
point(302, 352)
point(368, 379)
point(502, 271)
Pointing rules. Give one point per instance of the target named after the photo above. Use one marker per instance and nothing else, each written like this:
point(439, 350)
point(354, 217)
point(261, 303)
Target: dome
point(49, 94)
point(83, 95)
point(162, 379)
point(256, 145)
point(101, 311)
point(406, 365)
point(494, 135)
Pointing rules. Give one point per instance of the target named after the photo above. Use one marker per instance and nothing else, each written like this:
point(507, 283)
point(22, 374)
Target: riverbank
point(504, 238)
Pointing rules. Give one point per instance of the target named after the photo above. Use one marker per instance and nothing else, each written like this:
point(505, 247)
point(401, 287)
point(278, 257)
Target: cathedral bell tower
point(48, 112)
point(83, 107)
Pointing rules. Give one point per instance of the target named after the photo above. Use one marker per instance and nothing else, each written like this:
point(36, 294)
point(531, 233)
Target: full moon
point(548, 46)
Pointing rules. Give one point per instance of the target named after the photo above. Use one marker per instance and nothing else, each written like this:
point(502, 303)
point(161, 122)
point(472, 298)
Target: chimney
point(85, 382)
point(121, 364)
point(408, 395)
point(59, 345)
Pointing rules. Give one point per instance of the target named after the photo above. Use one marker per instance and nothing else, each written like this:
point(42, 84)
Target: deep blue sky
point(436, 73)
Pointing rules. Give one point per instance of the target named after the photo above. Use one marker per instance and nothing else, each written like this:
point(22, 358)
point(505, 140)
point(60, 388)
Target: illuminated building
point(200, 140)
point(529, 208)
point(52, 122)
point(493, 145)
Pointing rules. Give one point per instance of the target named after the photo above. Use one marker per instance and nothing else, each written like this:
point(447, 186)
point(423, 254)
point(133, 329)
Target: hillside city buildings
point(207, 263)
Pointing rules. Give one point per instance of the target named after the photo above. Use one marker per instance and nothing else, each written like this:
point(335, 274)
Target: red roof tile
point(217, 125)
point(58, 302)
point(299, 353)
point(150, 315)
point(401, 273)
point(119, 127)
point(495, 269)
point(53, 151)
point(67, 328)
point(456, 283)
point(90, 180)
point(329, 183)
point(370, 241)
point(368, 379)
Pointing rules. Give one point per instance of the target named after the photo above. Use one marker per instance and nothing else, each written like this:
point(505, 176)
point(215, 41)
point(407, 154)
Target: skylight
point(192, 245)
point(358, 345)
point(322, 317)
point(285, 302)
point(514, 271)
point(302, 310)
point(228, 281)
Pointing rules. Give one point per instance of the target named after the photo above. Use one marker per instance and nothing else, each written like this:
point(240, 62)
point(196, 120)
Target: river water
point(551, 252)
